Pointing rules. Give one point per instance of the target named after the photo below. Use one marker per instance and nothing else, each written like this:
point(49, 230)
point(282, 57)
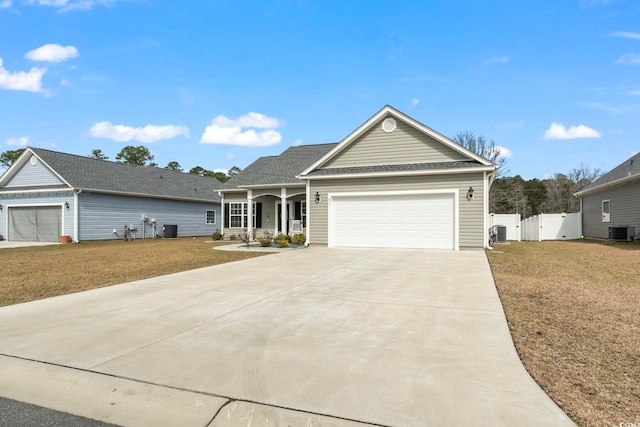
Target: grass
point(574, 313)
point(32, 273)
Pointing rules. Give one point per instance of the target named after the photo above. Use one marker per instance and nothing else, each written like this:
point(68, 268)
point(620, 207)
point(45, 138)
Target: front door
point(278, 222)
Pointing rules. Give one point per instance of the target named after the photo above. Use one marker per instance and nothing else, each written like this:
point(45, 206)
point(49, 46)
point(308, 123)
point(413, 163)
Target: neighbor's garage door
point(35, 224)
point(393, 221)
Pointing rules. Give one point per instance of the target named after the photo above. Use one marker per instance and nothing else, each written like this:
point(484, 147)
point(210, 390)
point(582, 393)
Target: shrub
point(265, 243)
point(233, 237)
point(298, 239)
point(282, 236)
point(282, 243)
point(217, 235)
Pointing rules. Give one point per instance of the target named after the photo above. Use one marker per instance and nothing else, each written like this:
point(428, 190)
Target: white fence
point(552, 227)
point(511, 221)
point(540, 227)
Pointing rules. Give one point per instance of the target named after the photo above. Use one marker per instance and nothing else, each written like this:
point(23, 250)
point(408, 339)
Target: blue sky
point(221, 83)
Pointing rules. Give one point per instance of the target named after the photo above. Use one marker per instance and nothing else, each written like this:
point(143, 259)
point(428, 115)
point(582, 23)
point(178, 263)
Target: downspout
point(76, 216)
point(308, 201)
point(488, 180)
point(221, 194)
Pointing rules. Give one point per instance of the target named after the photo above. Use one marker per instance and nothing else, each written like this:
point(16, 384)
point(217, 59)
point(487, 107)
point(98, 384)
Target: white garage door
point(393, 221)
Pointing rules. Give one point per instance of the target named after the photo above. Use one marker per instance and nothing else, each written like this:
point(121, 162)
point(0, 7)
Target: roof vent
point(389, 125)
point(33, 160)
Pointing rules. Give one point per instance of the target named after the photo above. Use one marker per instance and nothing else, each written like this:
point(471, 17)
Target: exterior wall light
point(0, 208)
point(470, 193)
point(66, 205)
point(317, 197)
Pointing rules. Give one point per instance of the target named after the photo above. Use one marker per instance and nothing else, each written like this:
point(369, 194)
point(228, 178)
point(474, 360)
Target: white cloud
point(602, 107)
point(23, 141)
point(29, 81)
point(149, 133)
point(497, 60)
point(52, 53)
point(626, 34)
point(559, 131)
point(630, 58)
point(66, 5)
point(223, 130)
point(5, 4)
point(65, 82)
point(230, 156)
point(635, 93)
point(414, 102)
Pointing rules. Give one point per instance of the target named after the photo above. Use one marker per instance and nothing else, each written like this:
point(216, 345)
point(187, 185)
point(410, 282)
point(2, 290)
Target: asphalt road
point(19, 414)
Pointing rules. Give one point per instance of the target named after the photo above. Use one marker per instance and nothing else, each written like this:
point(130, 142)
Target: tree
point(138, 156)
point(536, 192)
point(487, 149)
point(561, 189)
point(96, 153)
point(235, 170)
point(199, 170)
point(174, 166)
point(8, 157)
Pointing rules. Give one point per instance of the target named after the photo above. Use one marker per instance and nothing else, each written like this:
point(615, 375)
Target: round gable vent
point(388, 125)
point(33, 160)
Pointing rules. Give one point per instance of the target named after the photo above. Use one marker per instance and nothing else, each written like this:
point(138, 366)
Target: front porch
point(277, 211)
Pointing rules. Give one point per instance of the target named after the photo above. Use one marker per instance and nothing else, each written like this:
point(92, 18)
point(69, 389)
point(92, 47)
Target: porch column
point(283, 210)
point(250, 213)
point(222, 212)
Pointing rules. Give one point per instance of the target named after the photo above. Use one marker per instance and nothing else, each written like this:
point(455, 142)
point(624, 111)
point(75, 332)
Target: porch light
point(317, 197)
point(470, 193)
point(0, 208)
point(66, 205)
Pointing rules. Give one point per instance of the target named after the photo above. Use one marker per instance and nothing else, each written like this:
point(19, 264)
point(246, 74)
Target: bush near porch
point(573, 308)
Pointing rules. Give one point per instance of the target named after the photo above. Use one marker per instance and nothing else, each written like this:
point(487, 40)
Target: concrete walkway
point(8, 245)
point(320, 336)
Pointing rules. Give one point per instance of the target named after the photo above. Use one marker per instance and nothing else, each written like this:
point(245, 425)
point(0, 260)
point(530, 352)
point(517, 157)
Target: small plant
point(298, 239)
point(282, 236)
point(265, 243)
point(282, 243)
point(217, 235)
point(246, 237)
point(233, 237)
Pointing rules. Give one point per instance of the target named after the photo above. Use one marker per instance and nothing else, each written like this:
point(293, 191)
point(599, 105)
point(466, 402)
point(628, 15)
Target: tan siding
point(471, 214)
point(404, 145)
point(625, 210)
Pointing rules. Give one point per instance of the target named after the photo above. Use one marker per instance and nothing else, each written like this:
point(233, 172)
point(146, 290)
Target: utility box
point(170, 231)
point(500, 233)
point(622, 232)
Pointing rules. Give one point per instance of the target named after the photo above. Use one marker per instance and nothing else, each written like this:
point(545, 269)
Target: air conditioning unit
point(622, 232)
point(500, 233)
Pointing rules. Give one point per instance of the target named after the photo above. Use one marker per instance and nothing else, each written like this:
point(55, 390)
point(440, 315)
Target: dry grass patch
point(574, 313)
point(32, 273)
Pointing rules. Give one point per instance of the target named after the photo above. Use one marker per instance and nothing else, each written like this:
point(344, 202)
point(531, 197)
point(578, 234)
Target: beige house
point(392, 182)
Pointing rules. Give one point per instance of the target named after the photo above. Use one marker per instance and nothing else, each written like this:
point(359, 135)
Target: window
point(606, 210)
point(238, 213)
point(303, 213)
point(211, 217)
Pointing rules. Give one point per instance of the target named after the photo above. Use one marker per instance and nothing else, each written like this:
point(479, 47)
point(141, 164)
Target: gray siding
point(100, 214)
point(402, 146)
point(625, 210)
point(8, 200)
point(471, 213)
point(37, 175)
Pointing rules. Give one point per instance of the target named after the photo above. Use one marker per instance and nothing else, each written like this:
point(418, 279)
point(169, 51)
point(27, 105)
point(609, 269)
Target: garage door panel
point(403, 221)
point(35, 223)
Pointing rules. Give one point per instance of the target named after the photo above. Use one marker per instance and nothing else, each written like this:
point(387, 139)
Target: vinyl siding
point(405, 145)
point(38, 199)
point(38, 175)
point(471, 214)
point(625, 209)
point(100, 214)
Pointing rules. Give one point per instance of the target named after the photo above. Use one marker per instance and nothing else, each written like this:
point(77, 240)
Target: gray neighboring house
point(392, 182)
point(46, 194)
point(613, 200)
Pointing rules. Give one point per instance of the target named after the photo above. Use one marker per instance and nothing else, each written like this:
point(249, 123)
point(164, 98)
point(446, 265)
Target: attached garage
point(393, 220)
point(35, 223)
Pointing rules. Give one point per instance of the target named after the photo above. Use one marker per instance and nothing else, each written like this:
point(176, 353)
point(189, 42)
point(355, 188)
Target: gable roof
point(85, 173)
point(373, 120)
point(629, 170)
point(278, 170)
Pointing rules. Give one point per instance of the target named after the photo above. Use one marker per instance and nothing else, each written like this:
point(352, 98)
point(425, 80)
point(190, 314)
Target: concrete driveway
point(314, 337)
